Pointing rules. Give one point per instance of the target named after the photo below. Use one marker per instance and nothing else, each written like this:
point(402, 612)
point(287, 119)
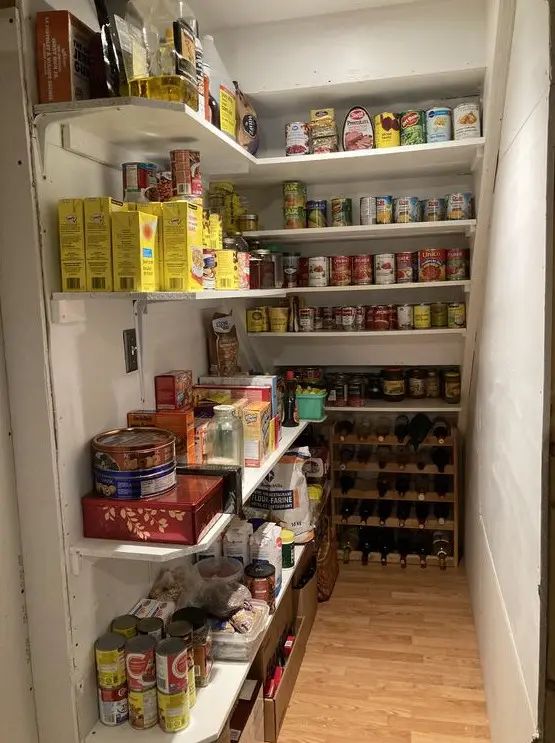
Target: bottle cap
point(289, 375)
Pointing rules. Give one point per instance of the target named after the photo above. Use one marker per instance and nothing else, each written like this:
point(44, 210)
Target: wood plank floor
point(392, 658)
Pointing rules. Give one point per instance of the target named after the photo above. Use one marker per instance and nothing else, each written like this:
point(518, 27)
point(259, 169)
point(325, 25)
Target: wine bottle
point(348, 508)
point(422, 486)
point(363, 428)
point(403, 457)
point(440, 457)
point(441, 485)
point(346, 455)
point(421, 545)
point(401, 427)
point(441, 548)
point(383, 428)
point(383, 455)
point(422, 511)
point(348, 539)
point(441, 429)
point(384, 548)
point(363, 454)
point(365, 544)
point(382, 486)
point(343, 429)
point(403, 512)
point(441, 512)
point(366, 509)
point(346, 483)
point(402, 485)
point(385, 507)
point(403, 548)
point(418, 429)
point(290, 414)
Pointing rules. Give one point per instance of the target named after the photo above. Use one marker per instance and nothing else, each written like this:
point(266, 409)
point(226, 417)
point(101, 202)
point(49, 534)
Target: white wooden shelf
point(390, 334)
point(214, 702)
point(381, 287)
point(206, 296)
point(432, 405)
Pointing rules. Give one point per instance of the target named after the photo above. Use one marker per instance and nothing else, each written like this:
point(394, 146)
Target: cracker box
point(180, 422)
point(182, 239)
point(98, 241)
point(256, 432)
point(243, 380)
point(133, 248)
point(71, 228)
point(173, 390)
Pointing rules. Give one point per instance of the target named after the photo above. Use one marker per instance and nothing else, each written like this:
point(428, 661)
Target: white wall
point(505, 447)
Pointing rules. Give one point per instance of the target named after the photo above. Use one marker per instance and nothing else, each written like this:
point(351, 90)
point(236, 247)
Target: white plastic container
point(221, 86)
point(237, 646)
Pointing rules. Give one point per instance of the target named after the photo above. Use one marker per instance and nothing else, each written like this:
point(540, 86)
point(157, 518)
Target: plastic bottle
point(221, 87)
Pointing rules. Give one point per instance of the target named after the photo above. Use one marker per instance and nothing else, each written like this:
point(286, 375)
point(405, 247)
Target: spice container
point(247, 222)
point(452, 386)
point(417, 383)
point(202, 643)
point(394, 386)
point(260, 579)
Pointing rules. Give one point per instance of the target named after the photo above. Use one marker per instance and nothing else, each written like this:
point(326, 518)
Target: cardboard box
point(71, 230)
point(232, 270)
point(247, 719)
point(256, 433)
point(224, 394)
point(98, 241)
point(173, 390)
point(243, 380)
point(182, 240)
point(134, 251)
point(281, 623)
point(155, 207)
point(201, 440)
point(63, 59)
point(180, 422)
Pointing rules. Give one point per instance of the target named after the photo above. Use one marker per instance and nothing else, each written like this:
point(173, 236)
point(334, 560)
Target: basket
point(311, 406)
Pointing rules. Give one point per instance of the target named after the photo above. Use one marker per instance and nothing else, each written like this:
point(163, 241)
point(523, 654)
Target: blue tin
point(134, 485)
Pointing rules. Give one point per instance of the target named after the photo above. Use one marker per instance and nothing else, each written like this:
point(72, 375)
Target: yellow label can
point(422, 316)
point(173, 711)
point(456, 315)
point(387, 129)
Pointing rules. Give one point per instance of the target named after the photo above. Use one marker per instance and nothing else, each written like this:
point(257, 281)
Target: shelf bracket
point(75, 559)
point(139, 310)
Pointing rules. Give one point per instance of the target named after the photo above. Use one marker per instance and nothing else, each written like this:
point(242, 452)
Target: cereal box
point(232, 270)
point(182, 239)
point(98, 241)
point(71, 227)
point(256, 432)
point(133, 248)
point(173, 390)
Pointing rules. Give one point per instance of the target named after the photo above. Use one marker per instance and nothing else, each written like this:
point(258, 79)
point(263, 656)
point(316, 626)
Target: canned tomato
point(456, 263)
point(297, 138)
point(316, 213)
point(381, 317)
point(466, 121)
point(384, 209)
point(405, 316)
point(362, 269)
point(348, 315)
point(340, 270)
point(431, 264)
point(438, 124)
point(113, 708)
point(140, 662)
point(294, 195)
point(172, 666)
point(434, 210)
point(456, 315)
point(392, 316)
point(139, 181)
point(360, 317)
point(438, 312)
point(422, 316)
point(318, 318)
point(459, 206)
point(143, 708)
point(173, 711)
point(186, 176)
point(306, 319)
point(328, 322)
point(338, 317)
point(294, 217)
point(384, 268)
point(404, 270)
point(318, 271)
point(387, 129)
point(369, 323)
point(413, 127)
point(406, 209)
point(109, 652)
point(368, 210)
point(290, 271)
point(341, 212)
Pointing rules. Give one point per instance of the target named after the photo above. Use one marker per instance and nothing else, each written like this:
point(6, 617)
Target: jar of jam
point(452, 386)
point(394, 385)
point(260, 579)
point(417, 383)
point(433, 388)
point(267, 271)
point(255, 272)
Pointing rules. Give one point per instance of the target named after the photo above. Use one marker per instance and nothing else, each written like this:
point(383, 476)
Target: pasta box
point(181, 516)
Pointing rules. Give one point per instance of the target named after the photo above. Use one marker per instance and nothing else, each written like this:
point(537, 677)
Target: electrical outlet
point(130, 350)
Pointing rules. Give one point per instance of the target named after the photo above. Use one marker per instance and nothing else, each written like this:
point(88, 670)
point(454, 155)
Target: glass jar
point(277, 258)
point(452, 386)
point(225, 437)
point(247, 222)
point(433, 388)
point(394, 384)
point(267, 274)
point(290, 270)
point(255, 272)
point(374, 387)
point(417, 383)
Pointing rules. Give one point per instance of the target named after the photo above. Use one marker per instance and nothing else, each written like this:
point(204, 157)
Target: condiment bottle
point(290, 414)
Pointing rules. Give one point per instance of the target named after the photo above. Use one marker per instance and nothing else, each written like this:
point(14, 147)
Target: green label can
point(456, 315)
point(439, 315)
point(413, 128)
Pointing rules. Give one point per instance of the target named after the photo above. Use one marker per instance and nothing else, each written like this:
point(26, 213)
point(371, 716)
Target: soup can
point(113, 706)
point(381, 317)
point(404, 268)
point(338, 317)
point(348, 315)
point(434, 210)
point(297, 138)
point(302, 279)
point(466, 121)
point(387, 129)
point(431, 264)
point(360, 317)
point(341, 212)
point(340, 270)
point(140, 664)
point(438, 124)
point(318, 271)
point(139, 180)
point(368, 210)
point(294, 217)
point(456, 264)
point(384, 209)
point(405, 316)
point(109, 652)
point(384, 268)
point(406, 209)
point(456, 315)
point(362, 269)
point(328, 322)
point(438, 312)
point(459, 206)
point(318, 318)
point(392, 316)
point(413, 127)
point(152, 626)
point(143, 708)
point(173, 711)
point(172, 666)
point(306, 319)
point(422, 316)
point(316, 213)
point(369, 324)
point(255, 320)
point(294, 195)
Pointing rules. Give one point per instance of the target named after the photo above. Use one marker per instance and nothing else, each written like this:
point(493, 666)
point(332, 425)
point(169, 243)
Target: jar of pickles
point(452, 386)
point(394, 385)
point(433, 388)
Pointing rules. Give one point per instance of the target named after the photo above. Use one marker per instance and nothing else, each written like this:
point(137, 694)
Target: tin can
point(140, 663)
point(113, 707)
point(361, 269)
point(355, 391)
point(341, 270)
point(338, 318)
point(294, 195)
point(328, 322)
point(318, 318)
point(434, 210)
point(433, 388)
point(109, 652)
point(306, 319)
point(413, 127)
point(348, 315)
point(294, 218)
point(417, 383)
point(183, 630)
point(456, 315)
point(290, 271)
point(392, 316)
point(459, 206)
point(208, 268)
point(368, 210)
point(405, 316)
point(186, 176)
point(387, 129)
point(139, 181)
point(406, 209)
point(431, 264)
point(422, 316)
point(132, 449)
point(384, 209)
point(438, 124)
point(143, 708)
point(384, 268)
point(466, 121)
point(173, 711)
point(125, 625)
point(255, 320)
point(314, 375)
point(456, 264)
point(360, 317)
point(172, 666)
point(381, 317)
point(134, 485)
point(316, 213)
point(452, 386)
point(404, 269)
point(370, 318)
point(438, 312)
point(302, 275)
point(341, 212)
point(151, 626)
point(297, 138)
point(318, 271)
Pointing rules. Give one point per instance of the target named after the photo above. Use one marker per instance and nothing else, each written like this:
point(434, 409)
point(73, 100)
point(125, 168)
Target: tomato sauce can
point(456, 264)
point(438, 312)
point(297, 138)
point(316, 213)
point(431, 264)
point(387, 129)
point(173, 711)
point(341, 212)
point(459, 206)
point(172, 666)
point(303, 271)
point(406, 209)
point(338, 318)
point(384, 209)
point(413, 128)
point(392, 316)
point(109, 652)
point(143, 708)
point(318, 271)
point(294, 195)
point(456, 315)
point(381, 319)
point(422, 316)
point(328, 322)
point(404, 268)
point(434, 210)
point(140, 664)
point(318, 318)
point(306, 319)
point(362, 269)
point(113, 706)
point(405, 316)
point(368, 210)
point(348, 315)
point(384, 268)
point(341, 270)
point(370, 317)
point(360, 317)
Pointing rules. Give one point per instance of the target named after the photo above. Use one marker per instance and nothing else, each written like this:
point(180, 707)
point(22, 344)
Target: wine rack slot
point(393, 468)
point(392, 521)
point(389, 441)
point(410, 495)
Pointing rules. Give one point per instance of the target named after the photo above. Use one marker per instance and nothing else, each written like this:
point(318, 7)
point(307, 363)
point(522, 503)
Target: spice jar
point(394, 385)
point(260, 579)
point(417, 383)
point(452, 386)
point(202, 642)
point(267, 274)
point(247, 222)
point(433, 388)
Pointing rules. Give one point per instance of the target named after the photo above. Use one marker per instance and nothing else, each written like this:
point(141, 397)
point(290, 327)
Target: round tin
point(456, 315)
point(140, 663)
point(406, 209)
point(135, 485)
point(340, 270)
point(434, 210)
point(294, 218)
point(368, 210)
point(125, 625)
point(456, 263)
point(387, 129)
point(109, 652)
point(384, 209)
point(151, 626)
point(439, 314)
point(341, 212)
point(143, 708)
point(361, 269)
point(348, 315)
point(466, 121)
point(422, 316)
point(172, 665)
point(381, 317)
point(318, 271)
point(294, 195)
point(316, 213)
point(297, 138)
point(132, 449)
point(438, 124)
point(306, 319)
point(404, 269)
point(459, 206)
point(113, 708)
point(413, 128)
point(384, 268)
point(405, 316)
point(173, 711)
point(431, 264)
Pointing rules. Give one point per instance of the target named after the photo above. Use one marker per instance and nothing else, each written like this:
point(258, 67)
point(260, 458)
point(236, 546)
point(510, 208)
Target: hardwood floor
point(392, 658)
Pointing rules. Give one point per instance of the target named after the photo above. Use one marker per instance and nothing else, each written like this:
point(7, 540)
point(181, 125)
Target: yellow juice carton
point(256, 432)
point(182, 237)
point(134, 251)
point(98, 241)
point(71, 227)
point(155, 207)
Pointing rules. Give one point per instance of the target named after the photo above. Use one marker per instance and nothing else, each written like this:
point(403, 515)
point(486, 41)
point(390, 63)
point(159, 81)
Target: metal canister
point(341, 212)
point(294, 217)
point(452, 386)
point(459, 206)
point(387, 129)
point(384, 209)
point(348, 315)
point(438, 312)
point(381, 317)
point(318, 318)
point(113, 706)
point(368, 210)
point(125, 625)
point(340, 270)
point(405, 316)
point(360, 317)
point(255, 320)
point(404, 268)
point(434, 210)
point(456, 264)
point(316, 213)
point(327, 318)
point(431, 264)
point(294, 195)
point(318, 271)
point(143, 708)
point(406, 209)
point(152, 626)
point(456, 315)
point(172, 666)
point(290, 270)
point(438, 124)
point(466, 121)
point(109, 652)
point(132, 449)
point(306, 319)
point(361, 269)
point(140, 664)
point(384, 268)
point(173, 711)
point(413, 127)
point(297, 138)
point(302, 279)
point(422, 316)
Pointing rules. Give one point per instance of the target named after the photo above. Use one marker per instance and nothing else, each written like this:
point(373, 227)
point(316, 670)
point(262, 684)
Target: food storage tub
point(237, 646)
point(311, 406)
point(224, 569)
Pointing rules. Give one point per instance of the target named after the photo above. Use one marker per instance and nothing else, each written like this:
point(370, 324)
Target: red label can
point(392, 316)
point(370, 317)
point(456, 264)
point(302, 275)
point(361, 269)
point(431, 264)
point(348, 315)
point(382, 317)
point(140, 662)
point(338, 317)
point(171, 665)
point(360, 317)
point(404, 263)
point(340, 270)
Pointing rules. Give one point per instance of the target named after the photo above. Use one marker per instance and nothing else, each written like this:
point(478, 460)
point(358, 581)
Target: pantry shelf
point(393, 558)
point(207, 296)
point(413, 286)
point(431, 405)
point(390, 334)
point(430, 525)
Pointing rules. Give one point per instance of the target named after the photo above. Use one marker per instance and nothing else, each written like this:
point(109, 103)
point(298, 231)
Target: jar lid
point(223, 408)
point(260, 570)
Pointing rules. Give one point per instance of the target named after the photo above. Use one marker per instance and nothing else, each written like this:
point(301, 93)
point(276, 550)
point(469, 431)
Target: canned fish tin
point(348, 315)
point(413, 127)
point(172, 666)
point(134, 485)
point(381, 317)
point(151, 626)
point(456, 315)
point(387, 129)
point(109, 652)
point(361, 269)
point(368, 210)
point(438, 125)
point(306, 319)
point(466, 121)
point(294, 195)
point(132, 449)
point(384, 268)
point(459, 206)
point(384, 209)
point(140, 663)
point(360, 317)
point(341, 271)
point(405, 316)
point(143, 708)
point(431, 264)
point(404, 269)
point(318, 318)
point(456, 264)
point(139, 181)
point(406, 209)
point(173, 711)
point(328, 322)
point(316, 213)
point(294, 217)
point(434, 210)
point(438, 312)
point(318, 271)
point(113, 708)
point(297, 138)
point(422, 316)
point(341, 212)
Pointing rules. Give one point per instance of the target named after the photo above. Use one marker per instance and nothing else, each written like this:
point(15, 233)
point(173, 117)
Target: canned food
point(132, 449)
point(113, 708)
point(431, 264)
point(422, 316)
point(173, 711)
point(341, 212)
point(151, 626)
point(294, 218)
point(297, 138)
point(394, 384)
point(184, 631)
point(456, 315)
point(126, 626)
point(466, 121)
point(139, 181)
point(143, 708)
point(109, 652)
point(384, 209)
point(186, 176)
point(316, 213)
point(318, 318)
point(140, 662)
point(438, 124)
point(247, 222)
point(338, 317)
point(368, 210)
point(434, 210)
point(314, 375)
point(384, 268)
point(406, 209)
point(172, 666)
point(255, 320)
point(306, 319)
point(387, 129)
point(369, 324)
point(392, 316)
point(134, 485)
point(459, 206)
point(433, 388)
point(360, 317)
point(413, 127)
point(381, 317)
point(340, 389)
point(294, 195)
point(340, 270)
point(277, 260)
point(456, 263)
point(452, 386)
point(404, 270)
point(290, 271)
point(405, 316)
point(439, 314)
point(303, 271)
point(355, 391)
point(362, 269)
point(318, 271)
point(328, 322)
point(348, 315)
point(417, 383)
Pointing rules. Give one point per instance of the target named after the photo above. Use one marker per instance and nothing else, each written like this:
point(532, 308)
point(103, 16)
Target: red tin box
point(181, 516)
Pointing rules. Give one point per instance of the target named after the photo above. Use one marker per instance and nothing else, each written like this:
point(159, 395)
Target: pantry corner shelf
point(382, 334)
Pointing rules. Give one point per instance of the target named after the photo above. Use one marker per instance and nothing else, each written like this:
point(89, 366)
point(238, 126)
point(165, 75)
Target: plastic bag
point(247, 122)
point(223, 346)
point(265, 546)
